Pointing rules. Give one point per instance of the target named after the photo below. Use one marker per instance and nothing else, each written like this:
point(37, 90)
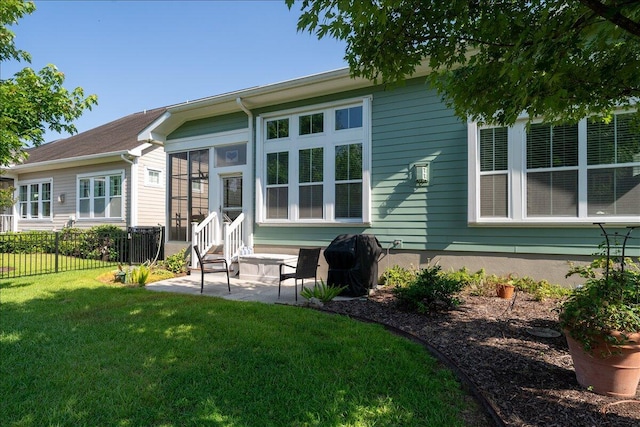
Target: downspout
point(251, 142)
point(133, 190)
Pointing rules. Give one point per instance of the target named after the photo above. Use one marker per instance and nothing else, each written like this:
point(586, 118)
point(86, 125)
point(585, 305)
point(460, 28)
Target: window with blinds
point(277, 185)
point(613, 171)
point(494, 172)
point(583, 172)
point(319, 174)
point(552, 170)
point(311, 170)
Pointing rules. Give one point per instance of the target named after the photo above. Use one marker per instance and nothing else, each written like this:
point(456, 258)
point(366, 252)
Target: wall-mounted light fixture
point(420, 173)
point(61, 198)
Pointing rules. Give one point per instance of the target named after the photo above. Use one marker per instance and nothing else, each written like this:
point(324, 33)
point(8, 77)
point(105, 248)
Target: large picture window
point(100, 196)
point(584, 172)
point(34, 200)
point(321, 173)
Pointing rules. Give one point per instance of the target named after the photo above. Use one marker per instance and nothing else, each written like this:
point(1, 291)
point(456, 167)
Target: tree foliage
point(493, 60)
point(31, 101)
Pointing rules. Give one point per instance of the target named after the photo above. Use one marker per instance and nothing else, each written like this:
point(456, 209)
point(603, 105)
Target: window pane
point(552, 146)
point(277, 168)
point(613, 142)
point(231, 155)
point(311, 165)
point(312, 123)
point(46, 209)
point(347, 118)
point(278, 203)
point(493, 149)
point(99, 187)
point(348, 162)
point(115, 207)
point(493, 196)
point(84, 208)
point(23, 193)
point(46, 192)
point(278, 128)
point(349, 200)
point(552, 193)
point(98, 208)
point(85, 188)
point(613, 191)
point(311, 201)
point(115, 185)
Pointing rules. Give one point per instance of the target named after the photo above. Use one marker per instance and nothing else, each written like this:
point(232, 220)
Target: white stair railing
point(233, 238)
point(205, 235)
point(6, 223)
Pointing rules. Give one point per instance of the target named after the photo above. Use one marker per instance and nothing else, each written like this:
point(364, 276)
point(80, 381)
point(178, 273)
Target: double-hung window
point(100, 196)
point(34, 199)
point(582, 173)
point(315, 165)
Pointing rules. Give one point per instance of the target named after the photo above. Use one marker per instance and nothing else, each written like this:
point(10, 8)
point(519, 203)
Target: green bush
point(175, 263)
point(322, 292)
point(397, 276)
point(430, 291)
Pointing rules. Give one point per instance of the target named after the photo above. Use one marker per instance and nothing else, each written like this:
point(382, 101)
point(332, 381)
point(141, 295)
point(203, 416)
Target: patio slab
point(215, 285)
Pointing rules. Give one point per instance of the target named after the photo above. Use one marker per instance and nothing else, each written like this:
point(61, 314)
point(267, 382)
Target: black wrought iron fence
point(33, 253)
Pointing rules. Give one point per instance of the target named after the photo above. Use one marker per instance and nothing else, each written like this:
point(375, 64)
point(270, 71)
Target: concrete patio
point(215, 285)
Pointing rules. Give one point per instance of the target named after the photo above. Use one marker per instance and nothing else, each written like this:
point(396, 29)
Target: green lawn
point(77, 352)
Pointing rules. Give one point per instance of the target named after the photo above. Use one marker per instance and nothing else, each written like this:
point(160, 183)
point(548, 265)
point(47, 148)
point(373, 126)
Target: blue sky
point(146, 54)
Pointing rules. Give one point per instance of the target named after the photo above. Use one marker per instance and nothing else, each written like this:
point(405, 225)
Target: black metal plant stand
point(625, 240)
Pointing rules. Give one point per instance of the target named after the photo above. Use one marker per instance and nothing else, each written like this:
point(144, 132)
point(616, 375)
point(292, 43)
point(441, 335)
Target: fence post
point(57, 246)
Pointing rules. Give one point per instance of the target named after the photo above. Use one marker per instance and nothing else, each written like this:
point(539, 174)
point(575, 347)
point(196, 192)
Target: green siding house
point(299, 162)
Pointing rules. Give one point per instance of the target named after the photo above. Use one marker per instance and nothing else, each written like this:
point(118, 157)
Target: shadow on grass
point(120, 356)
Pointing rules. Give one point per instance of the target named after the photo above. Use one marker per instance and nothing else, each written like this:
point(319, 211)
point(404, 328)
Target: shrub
point(430, 291)
point(397, 276)
point(477, 284)
point(175, 263)
point(322, 292)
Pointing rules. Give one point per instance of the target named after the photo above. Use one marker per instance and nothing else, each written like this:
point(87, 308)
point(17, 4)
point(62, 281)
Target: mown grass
point(27, 264)
point(76, 352)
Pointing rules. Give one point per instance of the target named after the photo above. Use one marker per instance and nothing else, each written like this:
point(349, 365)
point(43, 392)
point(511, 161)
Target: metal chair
point(211, 265)
point(306, 268)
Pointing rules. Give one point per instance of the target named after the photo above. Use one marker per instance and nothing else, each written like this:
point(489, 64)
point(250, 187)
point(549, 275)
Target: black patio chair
point(211, 265)
point(306, 268)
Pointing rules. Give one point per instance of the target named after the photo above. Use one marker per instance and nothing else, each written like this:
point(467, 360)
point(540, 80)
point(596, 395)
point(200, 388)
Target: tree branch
point(613, 15)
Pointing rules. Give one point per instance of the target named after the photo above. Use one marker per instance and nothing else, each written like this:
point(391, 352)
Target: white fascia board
point(151, 134)
point(91, 159)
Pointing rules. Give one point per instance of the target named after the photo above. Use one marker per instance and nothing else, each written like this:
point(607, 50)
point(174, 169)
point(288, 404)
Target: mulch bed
point(528, 379)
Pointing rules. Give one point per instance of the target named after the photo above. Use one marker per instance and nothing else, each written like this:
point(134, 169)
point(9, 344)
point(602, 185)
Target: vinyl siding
point(152, 199)
point(210, 125)
point(412, 124)
point(65, 182)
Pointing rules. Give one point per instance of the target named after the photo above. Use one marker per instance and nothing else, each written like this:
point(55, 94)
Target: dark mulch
point(528, 379)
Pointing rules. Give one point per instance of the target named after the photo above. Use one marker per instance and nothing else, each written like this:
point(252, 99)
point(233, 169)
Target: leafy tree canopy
point(493, 60)
point(31, 101)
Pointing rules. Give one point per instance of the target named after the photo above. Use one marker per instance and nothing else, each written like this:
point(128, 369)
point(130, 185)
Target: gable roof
point(118, 136)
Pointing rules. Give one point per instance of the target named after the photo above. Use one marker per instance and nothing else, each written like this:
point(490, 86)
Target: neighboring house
point(302, 161)
point(101, 176)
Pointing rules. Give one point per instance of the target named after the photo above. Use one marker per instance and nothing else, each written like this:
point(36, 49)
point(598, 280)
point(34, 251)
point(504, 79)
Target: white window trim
point(101, 174)
point(148, 183)
point(348, 136)
point(517, 184)
point(31, 182)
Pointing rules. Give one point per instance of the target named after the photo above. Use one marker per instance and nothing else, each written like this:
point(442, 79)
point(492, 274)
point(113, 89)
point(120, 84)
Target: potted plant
point(601, 321)
point(505, 287)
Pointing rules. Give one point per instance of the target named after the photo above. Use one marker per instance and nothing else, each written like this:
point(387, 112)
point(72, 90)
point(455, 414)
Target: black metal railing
point(33, 253)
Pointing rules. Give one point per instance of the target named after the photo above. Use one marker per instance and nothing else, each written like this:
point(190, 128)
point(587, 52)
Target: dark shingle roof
point(119, 135)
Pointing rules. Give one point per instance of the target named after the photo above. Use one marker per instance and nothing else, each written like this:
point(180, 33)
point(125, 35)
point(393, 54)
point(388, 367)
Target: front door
point(231, 193)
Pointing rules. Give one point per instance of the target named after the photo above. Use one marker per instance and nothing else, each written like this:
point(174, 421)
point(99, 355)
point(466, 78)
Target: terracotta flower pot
point(505, 291)
point(616, 375)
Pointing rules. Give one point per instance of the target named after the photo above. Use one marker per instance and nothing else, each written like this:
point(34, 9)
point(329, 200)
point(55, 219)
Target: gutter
point(132, 217)
point(251, 147)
